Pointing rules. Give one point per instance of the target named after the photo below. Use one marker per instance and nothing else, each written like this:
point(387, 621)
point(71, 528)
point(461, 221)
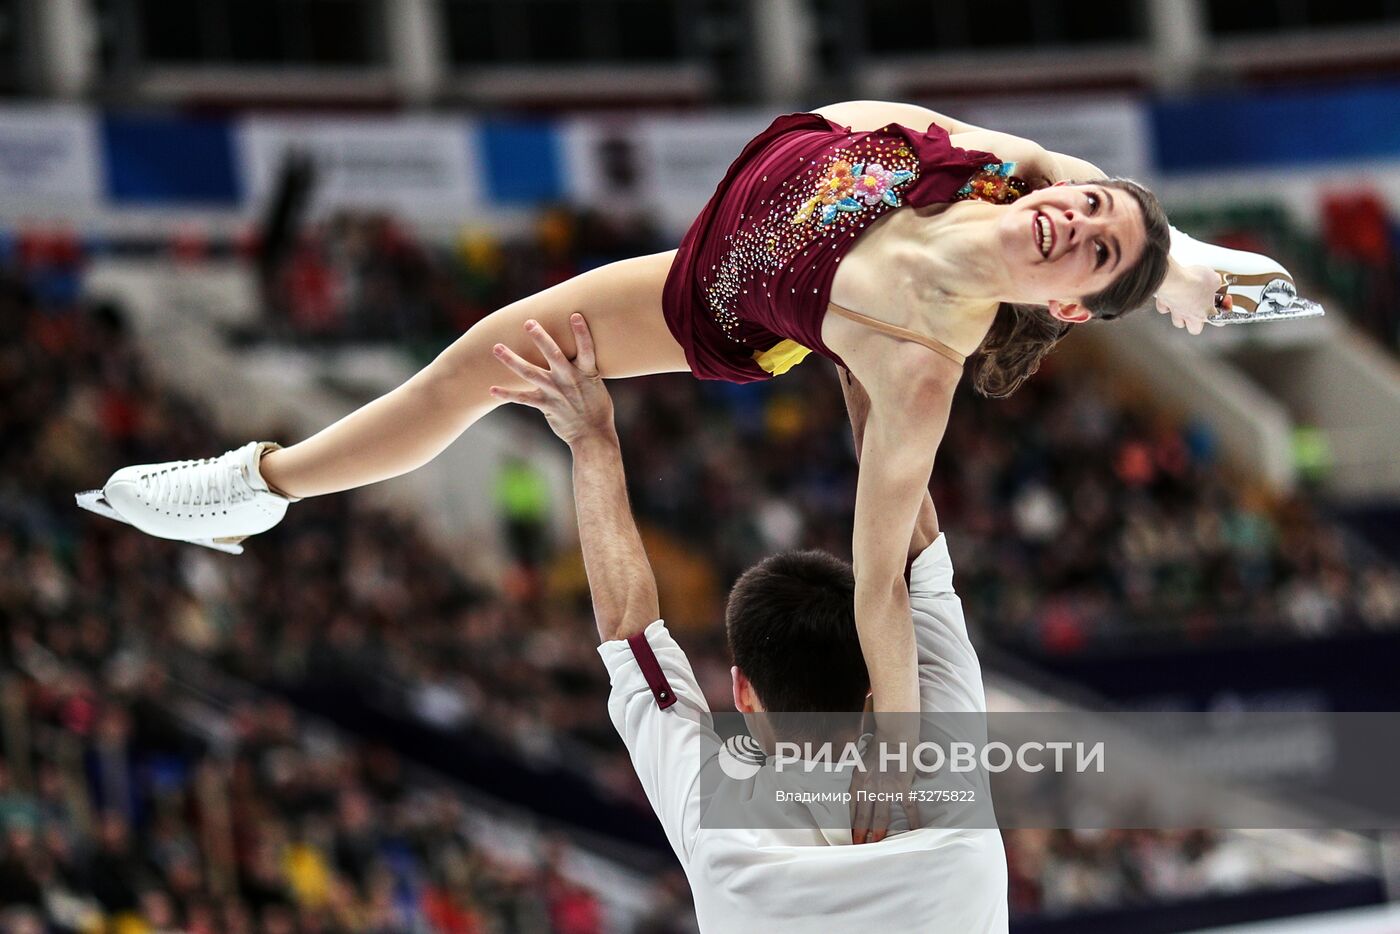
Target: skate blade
point(1277, 301)
point(96, 502)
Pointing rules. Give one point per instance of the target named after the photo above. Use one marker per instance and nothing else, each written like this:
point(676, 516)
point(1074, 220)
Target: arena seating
point(327, 597)
point(1198, 551)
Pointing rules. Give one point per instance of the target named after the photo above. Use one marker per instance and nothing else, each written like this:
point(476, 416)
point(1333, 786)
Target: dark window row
point(13, 64)
point(1233, 17)
point(911, 26)
point(350, 32)
point(485, 32)
point(253, 32)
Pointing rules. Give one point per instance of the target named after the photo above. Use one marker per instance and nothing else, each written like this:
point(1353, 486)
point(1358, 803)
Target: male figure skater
point(791, 629)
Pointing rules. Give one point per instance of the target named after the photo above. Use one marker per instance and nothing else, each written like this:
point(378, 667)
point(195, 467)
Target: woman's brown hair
point(1021, 335)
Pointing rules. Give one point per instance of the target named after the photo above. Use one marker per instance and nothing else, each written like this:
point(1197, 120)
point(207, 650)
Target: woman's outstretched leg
point(219, 501)
point(411, 425)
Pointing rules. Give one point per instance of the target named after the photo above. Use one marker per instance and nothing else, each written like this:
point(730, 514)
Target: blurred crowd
point(1058, 872)
point(1079, 514)
point(1076, 518)
point(1351, 263)
point(252, 822)
point(365, 277)
point(126, 823)
point(1362, 239)
point(125, 806)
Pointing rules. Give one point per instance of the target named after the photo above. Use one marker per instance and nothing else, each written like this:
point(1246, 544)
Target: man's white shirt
point(809, 877)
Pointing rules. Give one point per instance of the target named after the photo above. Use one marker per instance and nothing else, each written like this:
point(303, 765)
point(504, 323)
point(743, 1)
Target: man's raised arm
point(579, 410)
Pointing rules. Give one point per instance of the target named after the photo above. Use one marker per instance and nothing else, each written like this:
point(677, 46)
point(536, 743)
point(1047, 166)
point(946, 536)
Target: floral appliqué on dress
point(995, 183)
point(851, 188)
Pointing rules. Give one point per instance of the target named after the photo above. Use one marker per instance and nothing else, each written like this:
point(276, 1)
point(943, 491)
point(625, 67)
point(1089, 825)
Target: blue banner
point(162, 161)
point(520, 161)
point(1278, 128)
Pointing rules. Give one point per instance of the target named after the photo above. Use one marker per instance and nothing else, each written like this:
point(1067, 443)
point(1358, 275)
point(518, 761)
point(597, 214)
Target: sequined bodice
point(748, 288)
point(796, 207)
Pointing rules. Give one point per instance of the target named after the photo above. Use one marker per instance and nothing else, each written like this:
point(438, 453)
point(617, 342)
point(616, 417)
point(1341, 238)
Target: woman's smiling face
point(1067, 241)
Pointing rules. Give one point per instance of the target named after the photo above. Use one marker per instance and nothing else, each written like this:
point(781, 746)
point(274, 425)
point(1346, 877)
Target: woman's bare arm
point(858, 410)
point(911, 391)
point(871, 115)
point(1033, 160)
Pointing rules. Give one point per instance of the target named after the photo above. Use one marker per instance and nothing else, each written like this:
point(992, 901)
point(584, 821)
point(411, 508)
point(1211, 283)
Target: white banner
point(49, 157)
point(666, 166)
point(671, 165)
point(421, 168)
point(1112, 132)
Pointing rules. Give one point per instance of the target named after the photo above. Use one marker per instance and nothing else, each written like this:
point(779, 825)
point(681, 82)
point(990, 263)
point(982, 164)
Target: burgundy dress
point(749, 286)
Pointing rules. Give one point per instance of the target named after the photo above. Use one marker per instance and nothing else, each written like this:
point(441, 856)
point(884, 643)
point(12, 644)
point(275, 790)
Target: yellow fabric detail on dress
point(781, 357)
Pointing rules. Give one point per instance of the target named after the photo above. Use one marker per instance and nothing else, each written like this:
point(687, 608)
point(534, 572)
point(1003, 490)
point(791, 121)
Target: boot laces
point(208, 482)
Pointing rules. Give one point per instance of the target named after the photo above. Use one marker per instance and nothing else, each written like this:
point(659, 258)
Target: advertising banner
point(49, 156)
point(421, 168)
point(1112, 133)
point(668, 166)
point(671, 165)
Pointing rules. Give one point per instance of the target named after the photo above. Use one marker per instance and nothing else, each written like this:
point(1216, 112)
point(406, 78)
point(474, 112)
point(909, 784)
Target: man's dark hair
point(791, 626)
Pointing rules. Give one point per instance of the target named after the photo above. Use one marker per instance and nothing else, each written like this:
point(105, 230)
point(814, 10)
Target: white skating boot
point(216, 502)
point(1260, 289)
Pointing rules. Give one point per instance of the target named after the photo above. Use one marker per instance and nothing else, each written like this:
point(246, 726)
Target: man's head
point(791, 626)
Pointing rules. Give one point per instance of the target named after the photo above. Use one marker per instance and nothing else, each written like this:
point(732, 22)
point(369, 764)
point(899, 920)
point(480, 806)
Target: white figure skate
point(1260, 289)
point(216, 502)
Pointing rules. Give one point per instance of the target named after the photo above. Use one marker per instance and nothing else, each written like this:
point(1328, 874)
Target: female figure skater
point(893, 251)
